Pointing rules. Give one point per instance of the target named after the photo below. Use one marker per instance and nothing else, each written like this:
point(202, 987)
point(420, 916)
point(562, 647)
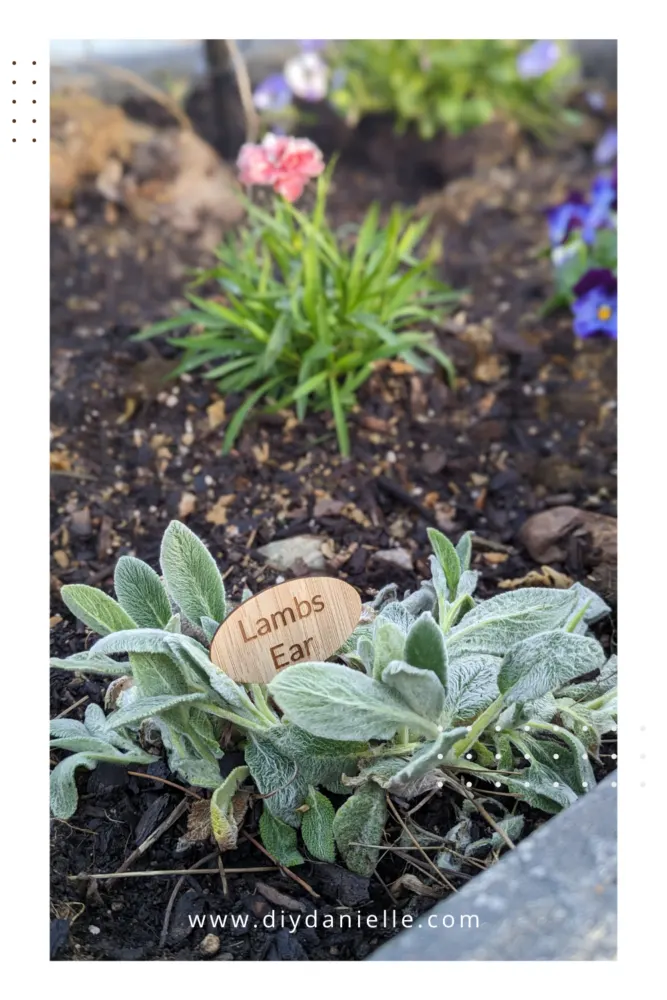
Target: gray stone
point(395, 557)
point(552, 899)
point(288, 553)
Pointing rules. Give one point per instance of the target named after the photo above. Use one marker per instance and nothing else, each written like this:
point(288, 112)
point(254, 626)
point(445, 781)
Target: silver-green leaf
point(358, 826)
point(543, 663)
point(140, 592)
point(279, 839)
point(494, 626)
point(191, 575)
point(425, 647)
point(333, 701)
point(96, 609)
point(420, 689)
point(317, 826)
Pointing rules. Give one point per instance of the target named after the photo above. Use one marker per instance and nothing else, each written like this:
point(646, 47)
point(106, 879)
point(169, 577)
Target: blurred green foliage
point(449, 84)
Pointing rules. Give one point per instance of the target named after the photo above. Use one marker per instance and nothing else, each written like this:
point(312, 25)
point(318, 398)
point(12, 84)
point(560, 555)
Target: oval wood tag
point(306, 619)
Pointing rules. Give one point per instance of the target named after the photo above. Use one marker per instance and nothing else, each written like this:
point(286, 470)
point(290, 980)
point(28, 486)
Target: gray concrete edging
point(552, 899)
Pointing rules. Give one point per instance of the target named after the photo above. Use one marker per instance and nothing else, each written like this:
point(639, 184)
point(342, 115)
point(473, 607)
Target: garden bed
point(529, 427)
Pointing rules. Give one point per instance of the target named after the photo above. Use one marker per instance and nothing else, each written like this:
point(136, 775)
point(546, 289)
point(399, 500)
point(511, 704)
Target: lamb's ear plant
point(430, 689)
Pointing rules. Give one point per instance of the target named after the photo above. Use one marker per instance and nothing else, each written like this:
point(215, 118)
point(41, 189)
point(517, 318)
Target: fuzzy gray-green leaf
point(464, 551)
point(425, 647)
point(277, 776)
point(96, 609)
point(360, 821)
point(279, 839)
point(543, 663)
point(320, 761)
point(420, 689)
point(447, 557)
point(191, 575)
point(90, 662)
point(317, 826)
point(144, 708)
point(333, 701)
point(471, 686)
point(494, 626)
point(388, 644)
point(64, 797)
point(140, 592)
point(430, 756)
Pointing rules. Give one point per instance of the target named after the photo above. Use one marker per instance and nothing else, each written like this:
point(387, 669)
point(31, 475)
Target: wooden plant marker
point(306, 619)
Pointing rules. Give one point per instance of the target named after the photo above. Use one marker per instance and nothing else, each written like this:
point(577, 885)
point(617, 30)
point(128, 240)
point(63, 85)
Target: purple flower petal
point(312, 46)
point(565, 218)
point(537, 59)
point(607, 148)
point(595, 311)
point(600, 278)
point(273, 94)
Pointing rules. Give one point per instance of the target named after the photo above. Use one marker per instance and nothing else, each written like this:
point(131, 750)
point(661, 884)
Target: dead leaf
point(544, 577)
point(410, 883)
point(130, 408)
point(280, 898)
point(54, 620)
point(489, 369)
point(545, 536)
point(114, 690)
point(60, 461)
point(61, 558)
point(218, 513)
point(494, 558)
point(199, 825)
point(186, 505)
point(261, 452)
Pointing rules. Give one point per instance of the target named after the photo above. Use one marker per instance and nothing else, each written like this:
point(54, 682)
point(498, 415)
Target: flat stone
point(551, 899)
point(287, 553)
point(395, 557)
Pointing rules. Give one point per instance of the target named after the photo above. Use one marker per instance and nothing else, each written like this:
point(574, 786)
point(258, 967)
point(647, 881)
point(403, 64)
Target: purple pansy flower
point(537, 59)
point(563, 219)
point(602, 206)
point(596, 304)
point(273, 94)
point(606, 150)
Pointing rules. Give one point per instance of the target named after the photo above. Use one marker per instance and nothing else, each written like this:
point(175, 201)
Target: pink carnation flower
point(283, 162)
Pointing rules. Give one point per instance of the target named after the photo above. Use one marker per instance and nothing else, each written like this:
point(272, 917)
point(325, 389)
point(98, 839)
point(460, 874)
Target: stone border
point(552, 899)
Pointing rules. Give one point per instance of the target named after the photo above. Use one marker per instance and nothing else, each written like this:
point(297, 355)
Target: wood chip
point(186, 505)
point(216, 414)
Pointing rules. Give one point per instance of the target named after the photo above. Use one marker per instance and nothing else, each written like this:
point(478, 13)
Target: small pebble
point(210, 945)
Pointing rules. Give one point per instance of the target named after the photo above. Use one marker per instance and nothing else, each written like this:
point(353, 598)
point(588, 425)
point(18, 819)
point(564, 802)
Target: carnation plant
point(453, 84)
point(510, 692)
point(304, 313)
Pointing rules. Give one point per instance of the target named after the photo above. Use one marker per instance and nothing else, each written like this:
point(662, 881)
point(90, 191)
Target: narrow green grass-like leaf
point(342, 432)
point(239, 417)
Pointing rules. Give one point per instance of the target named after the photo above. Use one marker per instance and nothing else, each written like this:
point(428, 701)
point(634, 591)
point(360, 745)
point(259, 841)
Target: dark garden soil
point(529, 427)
